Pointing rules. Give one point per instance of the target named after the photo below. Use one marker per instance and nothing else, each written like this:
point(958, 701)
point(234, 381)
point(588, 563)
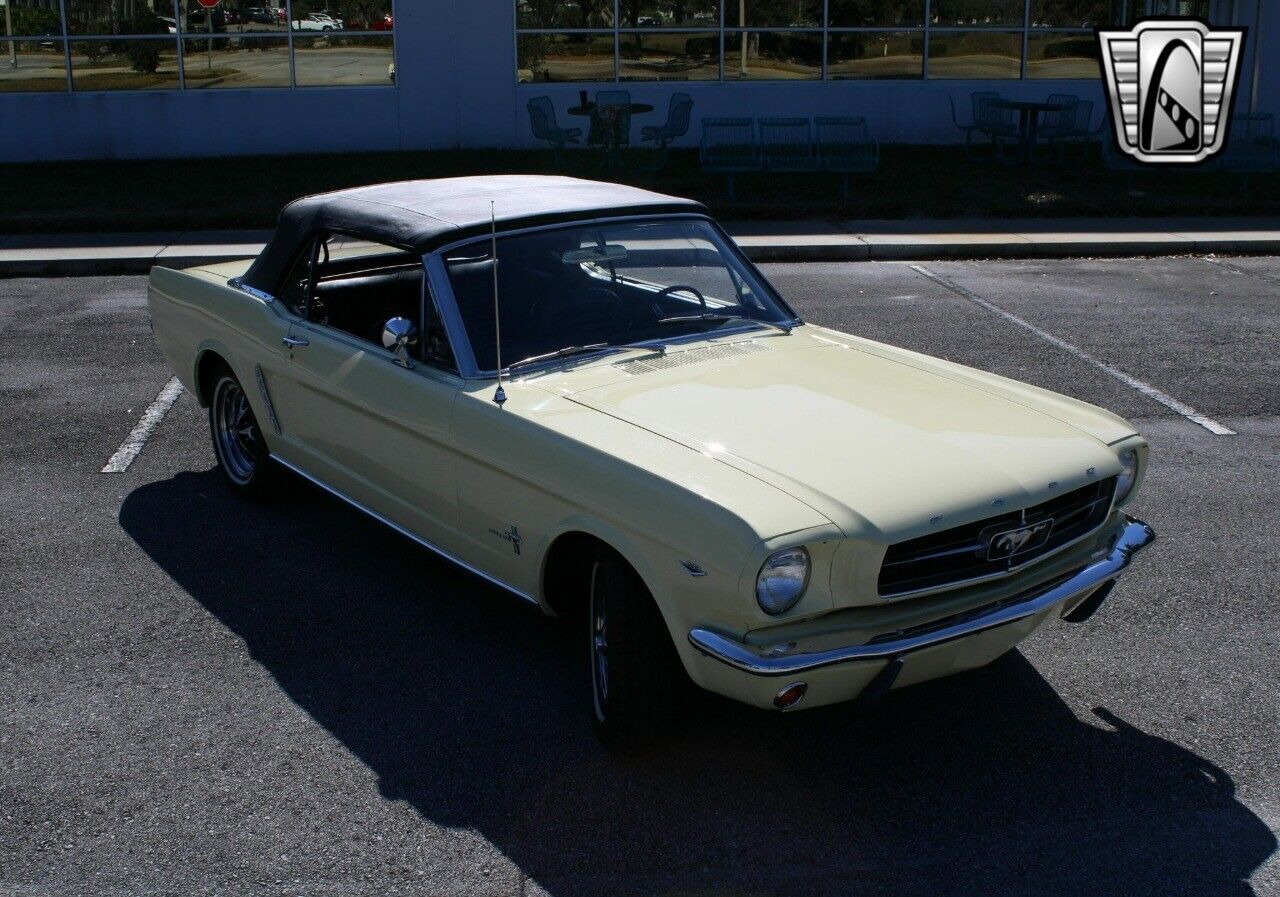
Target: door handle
point(294, 342)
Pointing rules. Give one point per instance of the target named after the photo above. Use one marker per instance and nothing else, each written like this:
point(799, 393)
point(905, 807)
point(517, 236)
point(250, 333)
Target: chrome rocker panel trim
point(404, 532)
point(1135, 536)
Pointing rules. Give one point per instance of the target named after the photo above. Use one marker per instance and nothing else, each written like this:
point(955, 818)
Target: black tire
point(637, 681)
point(238, 441)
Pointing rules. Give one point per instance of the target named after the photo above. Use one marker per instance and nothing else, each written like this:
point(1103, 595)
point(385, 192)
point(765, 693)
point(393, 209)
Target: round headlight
point(782, 580)
point(1128, 474)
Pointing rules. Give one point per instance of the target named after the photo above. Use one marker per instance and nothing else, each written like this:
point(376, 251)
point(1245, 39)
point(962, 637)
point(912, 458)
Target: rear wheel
point(238, 442)
point(636, 678)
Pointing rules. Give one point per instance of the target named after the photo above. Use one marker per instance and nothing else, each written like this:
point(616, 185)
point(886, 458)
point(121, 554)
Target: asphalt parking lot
point(203, 696)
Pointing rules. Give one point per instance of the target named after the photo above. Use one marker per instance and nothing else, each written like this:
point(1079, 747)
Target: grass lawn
point(913, 182)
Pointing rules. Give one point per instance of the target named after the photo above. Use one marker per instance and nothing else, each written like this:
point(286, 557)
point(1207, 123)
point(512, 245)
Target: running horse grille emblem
point(1012, 542)
point(1170, 83)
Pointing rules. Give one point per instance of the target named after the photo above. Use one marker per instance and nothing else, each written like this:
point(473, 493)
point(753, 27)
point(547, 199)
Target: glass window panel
point(873, 13)
point(141, 64)
point(773, 13)
point(875, 54)
point(664, 14)
point(564, 13)
point(1062, 56)
point(564, 57)
point(235, 62)
point(37, 18)
point(975, 54)
point(669, 56)
point(343, 61)
point(1198, 8)
point(121, 17)
point(1084, 13)
point(321, 16)
point(772, 55)
point(980, 13)
point(243, 16)
point(230, 17)
point(32, 65)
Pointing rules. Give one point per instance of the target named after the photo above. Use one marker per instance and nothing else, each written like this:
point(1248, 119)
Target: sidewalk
point(55, 255)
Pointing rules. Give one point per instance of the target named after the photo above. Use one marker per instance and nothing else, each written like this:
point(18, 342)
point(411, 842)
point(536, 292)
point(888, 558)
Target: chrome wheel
point(599, 646)
point(235, 431)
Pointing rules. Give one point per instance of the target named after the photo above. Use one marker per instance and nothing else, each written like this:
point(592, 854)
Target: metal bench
point(787, 145)
point(845, 146)
point(729, 147)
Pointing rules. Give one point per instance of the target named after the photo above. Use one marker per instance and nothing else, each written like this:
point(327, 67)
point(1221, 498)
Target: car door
point(373, 430)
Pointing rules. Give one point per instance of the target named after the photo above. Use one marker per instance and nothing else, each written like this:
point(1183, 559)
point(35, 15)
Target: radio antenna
point(499, 396)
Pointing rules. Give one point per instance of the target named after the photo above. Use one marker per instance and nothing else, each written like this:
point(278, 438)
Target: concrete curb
point(84, 255)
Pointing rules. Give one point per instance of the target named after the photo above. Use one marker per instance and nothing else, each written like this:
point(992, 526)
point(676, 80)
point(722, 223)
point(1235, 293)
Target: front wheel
point(238, 442)
point(637, 681)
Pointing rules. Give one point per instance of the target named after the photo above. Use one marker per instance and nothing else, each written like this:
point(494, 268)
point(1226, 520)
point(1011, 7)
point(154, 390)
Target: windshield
point(612, 283)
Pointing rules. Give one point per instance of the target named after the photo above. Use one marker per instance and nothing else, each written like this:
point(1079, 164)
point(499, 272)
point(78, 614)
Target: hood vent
point(689, 356)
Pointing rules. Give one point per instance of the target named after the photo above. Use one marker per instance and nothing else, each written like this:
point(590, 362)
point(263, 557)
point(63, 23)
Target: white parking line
point(1146, 389)
point(146, 425)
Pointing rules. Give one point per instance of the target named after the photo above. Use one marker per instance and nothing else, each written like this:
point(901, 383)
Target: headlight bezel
point(1130, 469)
point(770, 602)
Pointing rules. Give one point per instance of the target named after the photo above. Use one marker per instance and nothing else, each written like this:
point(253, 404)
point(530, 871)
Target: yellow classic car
point(587, 395)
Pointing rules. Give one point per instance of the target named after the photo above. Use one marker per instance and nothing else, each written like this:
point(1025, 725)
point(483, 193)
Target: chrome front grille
point(995, 546)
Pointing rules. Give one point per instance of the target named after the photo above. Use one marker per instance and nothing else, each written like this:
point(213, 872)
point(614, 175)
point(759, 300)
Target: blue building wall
point(456, 87)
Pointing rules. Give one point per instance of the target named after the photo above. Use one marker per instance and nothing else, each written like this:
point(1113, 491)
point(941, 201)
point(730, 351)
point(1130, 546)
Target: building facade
point(96, 79)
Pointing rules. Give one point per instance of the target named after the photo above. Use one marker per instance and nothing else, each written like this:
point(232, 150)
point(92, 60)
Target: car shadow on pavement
point(471, 707)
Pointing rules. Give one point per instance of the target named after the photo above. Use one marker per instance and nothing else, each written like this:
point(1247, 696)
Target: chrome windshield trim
point(404, 532)
point(1135, 536)
point(460, 341)
point(238, 284)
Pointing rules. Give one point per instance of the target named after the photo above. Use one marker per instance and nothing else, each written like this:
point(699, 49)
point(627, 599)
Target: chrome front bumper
point(1135, 536)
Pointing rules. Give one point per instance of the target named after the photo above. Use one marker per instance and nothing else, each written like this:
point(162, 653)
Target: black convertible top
point(423, 215)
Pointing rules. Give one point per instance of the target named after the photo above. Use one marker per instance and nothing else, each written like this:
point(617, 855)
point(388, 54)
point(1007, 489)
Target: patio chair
point(542, 116)
point(1055, 127)
point(786, 144)
point(845, 145)
point(997, 124)
point(679, 112)
point(729, 147)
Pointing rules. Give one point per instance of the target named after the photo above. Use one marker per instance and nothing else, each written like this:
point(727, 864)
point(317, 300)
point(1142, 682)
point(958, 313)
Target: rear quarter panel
point(194, 312)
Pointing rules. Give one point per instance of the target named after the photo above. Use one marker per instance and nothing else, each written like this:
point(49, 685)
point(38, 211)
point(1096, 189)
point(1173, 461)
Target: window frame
point(65, 40)
point(723, 29)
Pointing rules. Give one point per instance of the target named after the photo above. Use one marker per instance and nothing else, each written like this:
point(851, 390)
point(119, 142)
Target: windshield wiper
point(714, 318)
point(568, 351)
point(558, 353)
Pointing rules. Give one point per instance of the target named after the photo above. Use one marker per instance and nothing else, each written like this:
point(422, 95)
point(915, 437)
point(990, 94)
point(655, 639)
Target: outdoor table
point(610, 134)
point(1029, 120)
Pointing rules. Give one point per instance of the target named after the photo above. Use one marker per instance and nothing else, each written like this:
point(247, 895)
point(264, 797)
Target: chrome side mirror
point(398, 335)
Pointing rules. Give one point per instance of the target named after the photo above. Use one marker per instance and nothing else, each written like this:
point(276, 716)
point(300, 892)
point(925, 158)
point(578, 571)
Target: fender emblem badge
point(693, 569)
point(512, 535)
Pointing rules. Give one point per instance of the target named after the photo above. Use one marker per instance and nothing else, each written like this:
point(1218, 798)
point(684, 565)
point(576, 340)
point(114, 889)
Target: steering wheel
point(677, 287)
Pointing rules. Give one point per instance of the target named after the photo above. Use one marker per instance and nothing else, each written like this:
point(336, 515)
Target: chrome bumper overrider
point(1135, 536)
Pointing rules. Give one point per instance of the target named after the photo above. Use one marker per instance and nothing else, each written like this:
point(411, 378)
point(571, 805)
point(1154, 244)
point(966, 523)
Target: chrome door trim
point(256, 293)
point(403, 531)
point(442, 292)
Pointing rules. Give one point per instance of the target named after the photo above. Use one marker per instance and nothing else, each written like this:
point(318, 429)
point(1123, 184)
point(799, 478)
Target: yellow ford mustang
point(585, 394)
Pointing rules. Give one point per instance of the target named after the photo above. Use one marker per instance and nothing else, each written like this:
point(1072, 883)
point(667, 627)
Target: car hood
point(879, 441)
